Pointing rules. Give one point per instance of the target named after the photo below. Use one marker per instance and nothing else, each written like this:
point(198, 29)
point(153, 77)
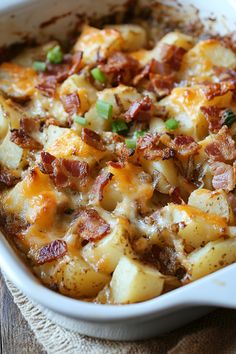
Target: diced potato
point(213, 256)
point(134, 36)
point(157, 125)
point(52, 133)
point(93, 42)
point(133, 282)
point(11, 155)
point(35, 199)
point(73, 276)
point(199, 62)
point(178, 39)
point(196, 228)
point(184, 104)
point(215, 202)
point(105, 254)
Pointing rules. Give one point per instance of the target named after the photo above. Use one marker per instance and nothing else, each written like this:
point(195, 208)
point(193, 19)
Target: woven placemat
point(212, 334)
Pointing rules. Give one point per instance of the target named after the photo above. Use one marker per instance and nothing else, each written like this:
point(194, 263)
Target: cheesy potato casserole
point(117, 161)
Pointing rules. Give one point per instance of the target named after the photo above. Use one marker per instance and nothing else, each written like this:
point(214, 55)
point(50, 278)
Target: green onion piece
point(39, 65)
point(55, 55)
point(131, 143)
point(119, 126)
point(172, 124)
point(98, 75)
point(229, 117)
point(104, 109)
point(139, 133)
point(80, 120)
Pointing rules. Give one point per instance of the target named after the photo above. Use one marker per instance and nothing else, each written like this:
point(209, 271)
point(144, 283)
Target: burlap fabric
point(212, 334)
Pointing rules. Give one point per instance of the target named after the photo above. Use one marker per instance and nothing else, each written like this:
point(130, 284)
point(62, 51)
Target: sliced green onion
point(39, 65)
point(139, 133)
point(55, 55)
point(172, 124)
point(229, 117)
point(98, 75)
point(131, 143)
point(104, 109)
point(80, 120)
point(119, 126)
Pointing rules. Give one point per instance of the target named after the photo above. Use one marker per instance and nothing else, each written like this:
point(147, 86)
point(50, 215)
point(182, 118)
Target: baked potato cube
point(105, 254)
point(198, 64)
point(52, 133)
point(133, 281)
point(93, 42)
point(196, 228)
point(134, 36)
point(73, 277)
point(11, 155)
point(178, 39)
point(213, 256)
point(215, 202)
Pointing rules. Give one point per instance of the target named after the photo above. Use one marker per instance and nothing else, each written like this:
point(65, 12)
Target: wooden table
point(15, 334)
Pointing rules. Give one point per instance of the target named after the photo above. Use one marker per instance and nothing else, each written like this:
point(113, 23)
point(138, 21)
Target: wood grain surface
point(15, 334)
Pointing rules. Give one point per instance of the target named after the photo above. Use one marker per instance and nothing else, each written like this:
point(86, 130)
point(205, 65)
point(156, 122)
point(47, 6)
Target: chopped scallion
point(98, 75)
point(39, 65)
point(80, 120)
point(172, 124)
point(119, 126)
point(131, 143)
point(139, 133)
point(104, 109)
point(55, 55)
point(229, 117)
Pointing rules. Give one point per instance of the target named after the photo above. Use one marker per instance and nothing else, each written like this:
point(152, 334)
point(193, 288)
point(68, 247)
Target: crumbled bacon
point(213, 115)
point(76, 63)
point(90, 226)
point(171, 58)
point(225, 74)
point(29, 125)
point(223, 146)
point(162, 85)
point(100, 183)
point(123, 152)
point(185, 145)
point(150, 148)
point(71, 103)
point(52, 251)
point(93, 139)
point(137, 108)
point(7, 179)
point(19, 137)
point(47, 85)
point(64, 173)
point(223, 176)
point(213, 90)
point(149, 68)
point(175, 195)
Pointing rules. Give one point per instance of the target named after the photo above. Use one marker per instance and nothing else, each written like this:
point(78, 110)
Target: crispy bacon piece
point(64, 173)
point(223, 176)
point(100, 183)
point(71, 103)
point(213, 90)
point(7, 179)
point(29, 125)
point(171, 58)
point(223, 147)
point(224, 74)
point(162, 84)
point(76, 63)
point(185, 145)
point(120, 68)
point(48, 85)
point(149, 68)
point(150, 148)
point(52, 251)
point(138, 107)
point(19, 137)
point(213, 115)
point(90, 226)
point(175, 195)
point(93, 139)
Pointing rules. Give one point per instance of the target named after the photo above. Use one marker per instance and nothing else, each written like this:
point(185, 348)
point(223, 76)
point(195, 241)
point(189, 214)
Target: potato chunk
point(134, 282)
point(134, 36)
point(11, 155)
point(213, 256)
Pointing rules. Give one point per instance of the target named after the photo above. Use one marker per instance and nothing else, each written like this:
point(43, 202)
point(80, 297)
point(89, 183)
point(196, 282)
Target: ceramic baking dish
point(127, 322)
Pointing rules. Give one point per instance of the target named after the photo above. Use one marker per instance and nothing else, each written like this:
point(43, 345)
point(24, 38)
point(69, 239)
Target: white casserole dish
point(127, 322)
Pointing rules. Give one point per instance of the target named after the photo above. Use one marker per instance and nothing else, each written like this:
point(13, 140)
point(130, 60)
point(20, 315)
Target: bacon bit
point(90, 226)
point(71, 103)
point(171, 56)
point(29, 125)
point(224, 74)
point(93, 139)
point(149, 68)
point(185, 145)
point(47, 86)
point(150, 149)
point(223, 176)
point(232, 201)
point(137, 107)
point(213, 115)
point(52, 251)
point(24, 141)
point(123, 153)
point(64, 173)
point(174, 193)
point(99, 185)
point(120, 68)
point(116, 164)
point(76, 63)
point(162, 85)
point(223, 147)
point(213, 90)
point(7, 179)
